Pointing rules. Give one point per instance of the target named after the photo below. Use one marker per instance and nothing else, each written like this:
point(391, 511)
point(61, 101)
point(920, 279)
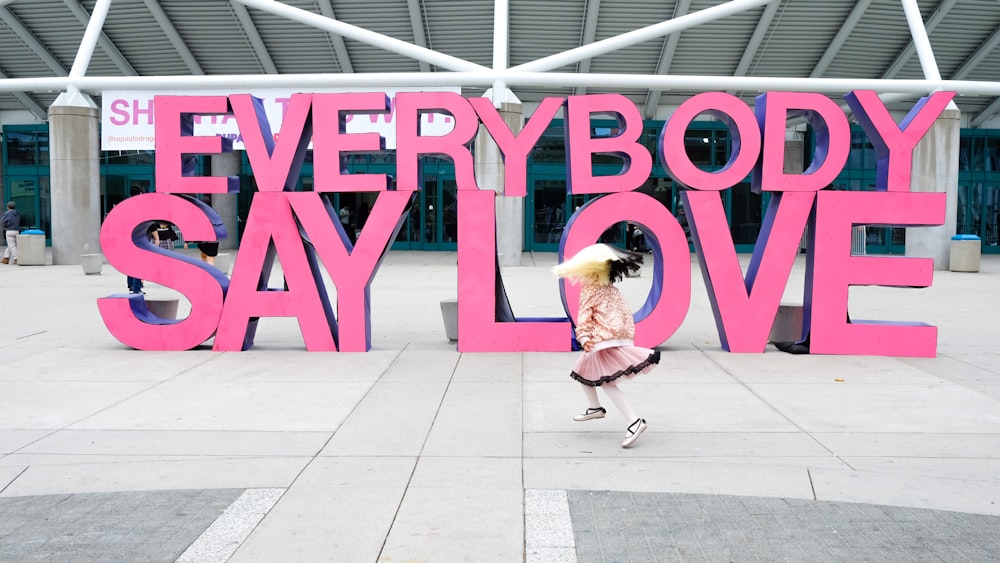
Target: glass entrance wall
point(859, 175)
point(431, 223)
point(979, 186)
point(548, 204)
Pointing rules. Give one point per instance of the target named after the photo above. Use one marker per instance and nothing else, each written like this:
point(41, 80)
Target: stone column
point(75, 180)
point(935, 169)
point(490, 176)
point(227, 164)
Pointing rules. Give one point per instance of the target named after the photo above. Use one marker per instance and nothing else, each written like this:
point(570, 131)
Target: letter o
point(656, 320)
point(744, 133)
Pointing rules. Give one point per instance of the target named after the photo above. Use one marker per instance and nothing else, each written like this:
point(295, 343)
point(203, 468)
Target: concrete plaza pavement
point(415, 452)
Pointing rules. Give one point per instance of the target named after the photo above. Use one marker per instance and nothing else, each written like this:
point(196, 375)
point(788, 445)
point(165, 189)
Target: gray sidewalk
point(415, 452)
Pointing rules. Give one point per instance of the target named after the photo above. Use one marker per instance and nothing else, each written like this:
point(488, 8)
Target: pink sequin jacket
point(604, 315)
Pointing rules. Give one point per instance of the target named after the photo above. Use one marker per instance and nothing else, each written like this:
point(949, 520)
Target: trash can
point(965, 253)
point(31, 248)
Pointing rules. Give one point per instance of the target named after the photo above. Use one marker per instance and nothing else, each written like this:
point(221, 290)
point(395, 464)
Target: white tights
point(616, 396)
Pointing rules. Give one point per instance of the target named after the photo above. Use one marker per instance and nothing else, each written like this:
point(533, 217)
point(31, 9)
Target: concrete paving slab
point(87, 366)
point(31, 405)
point(677, 407)
point(424, 362)
point(477, 419)
point(490, 523)
point(201, 473)
point(13, 440)
point(661, 475)
point(205, 404)
point(987, 470)
point(338, 509)
point(891, 408)
point(681, 444)
point(178, 443)
point(909, 445)
point(778, 367)
point(466, 472)
point(899, 489)
point(394, 418)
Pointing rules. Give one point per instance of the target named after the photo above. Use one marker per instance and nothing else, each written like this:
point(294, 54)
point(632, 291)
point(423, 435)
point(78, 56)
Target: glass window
point(20, 148)
point(129, 157)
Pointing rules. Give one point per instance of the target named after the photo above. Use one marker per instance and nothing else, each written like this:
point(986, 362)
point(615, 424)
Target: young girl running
point(605, 329)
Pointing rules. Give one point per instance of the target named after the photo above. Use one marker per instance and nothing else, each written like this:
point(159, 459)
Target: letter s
point(128, 249)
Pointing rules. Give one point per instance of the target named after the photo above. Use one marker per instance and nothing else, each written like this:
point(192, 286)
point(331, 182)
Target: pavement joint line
point(221, 540)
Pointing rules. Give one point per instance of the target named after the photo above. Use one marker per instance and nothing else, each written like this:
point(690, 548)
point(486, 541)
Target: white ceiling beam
point(589, 34)
point(419, 35)
point(28, 102)
point(511, 77)
point(379, 40)
point(29, 39)
point(173, 36)
point(253, 36)
point(986, 114)
point(860, 7)
point(637, 36)
point(666, 58)
point(917, 28)
point(101, 8)
point(339, 47)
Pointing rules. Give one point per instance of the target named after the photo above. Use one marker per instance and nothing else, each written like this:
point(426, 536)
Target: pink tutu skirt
point(598, 367)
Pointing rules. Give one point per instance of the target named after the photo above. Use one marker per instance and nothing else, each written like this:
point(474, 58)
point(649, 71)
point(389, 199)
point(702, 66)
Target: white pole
point(512, 78)
point(392, 44)
point(637, 36)
point(89, 41)
point(923, 45)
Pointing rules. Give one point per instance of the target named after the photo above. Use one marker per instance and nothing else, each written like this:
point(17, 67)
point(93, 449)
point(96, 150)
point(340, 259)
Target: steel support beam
point(175, 38)
point(920, 44)
point(589, 34)
point(29, 39)
point(253, 36)
point(986, 114)
point(95, 25)
point(392, 44)
point(28, 102)
point(639, 35)
point(666, 58)
point(339, 48)
point(419, 35)
point(757, 39)
point(838, 40)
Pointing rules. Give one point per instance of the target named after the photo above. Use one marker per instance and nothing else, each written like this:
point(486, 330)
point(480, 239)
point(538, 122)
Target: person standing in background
point(135, 284)
point(11, 221)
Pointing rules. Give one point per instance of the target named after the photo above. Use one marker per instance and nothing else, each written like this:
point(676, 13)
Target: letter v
point(745, 308)
point(276, 163)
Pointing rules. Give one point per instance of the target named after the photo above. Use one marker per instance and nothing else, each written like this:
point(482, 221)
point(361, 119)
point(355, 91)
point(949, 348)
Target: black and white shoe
point(591, 414)
point(633, 431)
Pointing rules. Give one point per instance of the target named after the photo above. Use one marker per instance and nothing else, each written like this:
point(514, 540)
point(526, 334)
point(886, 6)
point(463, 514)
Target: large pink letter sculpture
point(303, 229)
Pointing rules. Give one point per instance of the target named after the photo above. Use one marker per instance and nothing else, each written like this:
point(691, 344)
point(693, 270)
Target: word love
point(302, 228)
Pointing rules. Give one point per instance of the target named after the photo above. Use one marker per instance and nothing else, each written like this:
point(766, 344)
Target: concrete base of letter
point(787, 325)
point(449, 312)
point(163, 308)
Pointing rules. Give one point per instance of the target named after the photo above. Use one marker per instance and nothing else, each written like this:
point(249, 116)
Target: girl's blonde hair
point(598, 264)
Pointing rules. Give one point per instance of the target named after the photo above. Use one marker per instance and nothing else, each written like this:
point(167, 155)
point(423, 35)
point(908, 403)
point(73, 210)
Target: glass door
point(116, 187)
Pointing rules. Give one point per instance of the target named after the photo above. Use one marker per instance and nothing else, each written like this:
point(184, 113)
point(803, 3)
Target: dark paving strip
point(611, 527)
point(149, 526)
